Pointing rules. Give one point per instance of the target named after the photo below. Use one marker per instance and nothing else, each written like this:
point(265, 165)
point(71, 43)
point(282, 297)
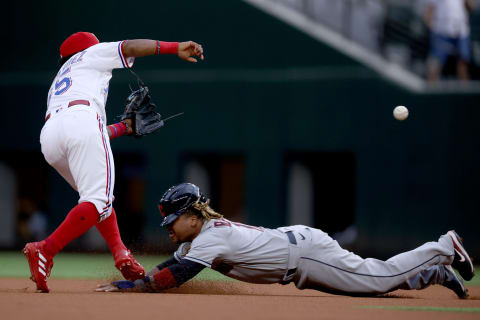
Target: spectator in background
point(31, 221)
point(450, 35)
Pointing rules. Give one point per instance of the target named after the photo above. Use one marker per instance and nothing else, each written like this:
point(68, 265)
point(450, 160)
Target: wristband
point(118, 129)
point(163, 47)
point(143, 285)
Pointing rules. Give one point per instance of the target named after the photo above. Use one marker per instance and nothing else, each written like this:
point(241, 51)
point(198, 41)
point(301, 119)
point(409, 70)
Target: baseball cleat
point(462, 261)
point(40, 265)
point(128, 266)
point(454, 283)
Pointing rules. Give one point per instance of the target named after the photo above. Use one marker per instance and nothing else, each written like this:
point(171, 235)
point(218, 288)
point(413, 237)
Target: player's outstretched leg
point(462, 261)
point(440, 274)
point(124, 260)
point(40, 254)
point(328, 267)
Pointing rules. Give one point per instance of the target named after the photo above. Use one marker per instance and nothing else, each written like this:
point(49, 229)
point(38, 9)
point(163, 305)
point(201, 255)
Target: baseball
point(400, 113)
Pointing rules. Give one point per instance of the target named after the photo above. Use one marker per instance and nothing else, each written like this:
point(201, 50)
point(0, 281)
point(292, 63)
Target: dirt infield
point(76, 299)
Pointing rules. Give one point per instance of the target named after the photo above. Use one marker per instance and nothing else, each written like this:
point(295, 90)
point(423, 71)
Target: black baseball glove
point(141, 111)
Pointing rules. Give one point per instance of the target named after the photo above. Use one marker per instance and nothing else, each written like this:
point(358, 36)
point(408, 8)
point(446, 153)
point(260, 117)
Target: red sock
point(81, 218)
point(108, 228)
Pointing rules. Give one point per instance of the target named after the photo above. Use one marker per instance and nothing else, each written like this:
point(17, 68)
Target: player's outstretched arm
point(143, 47)
point(168, 277)
point(166, 263)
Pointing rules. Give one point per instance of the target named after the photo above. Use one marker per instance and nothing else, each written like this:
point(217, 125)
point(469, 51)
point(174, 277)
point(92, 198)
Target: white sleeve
point(107, 56)
point(206, 247)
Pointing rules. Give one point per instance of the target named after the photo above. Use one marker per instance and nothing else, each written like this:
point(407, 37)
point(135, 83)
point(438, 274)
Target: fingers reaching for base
point(106, 288)
point(120, 285)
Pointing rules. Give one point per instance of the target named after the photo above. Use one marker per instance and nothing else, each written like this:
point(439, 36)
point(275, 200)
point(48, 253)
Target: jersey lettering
point(65, 71)
point(225, 223)
point(79, 58)
point(85, 76)
point(222, 223)
point(63, 85)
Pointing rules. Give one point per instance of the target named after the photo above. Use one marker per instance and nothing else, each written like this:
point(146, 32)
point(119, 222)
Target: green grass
point(476, 280)
point(84, 266)
point(100, 266)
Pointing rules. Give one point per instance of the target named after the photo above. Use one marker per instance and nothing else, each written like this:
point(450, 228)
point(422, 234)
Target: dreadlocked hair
point(205, 211)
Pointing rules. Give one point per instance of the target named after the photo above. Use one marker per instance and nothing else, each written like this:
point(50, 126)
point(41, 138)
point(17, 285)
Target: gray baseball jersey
point(243, 252)
point(311, 259)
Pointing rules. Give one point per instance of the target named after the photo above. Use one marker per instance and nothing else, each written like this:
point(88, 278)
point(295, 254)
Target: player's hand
point(115, 286)
point(106, 288)
point(188, 50)
point(128, 123)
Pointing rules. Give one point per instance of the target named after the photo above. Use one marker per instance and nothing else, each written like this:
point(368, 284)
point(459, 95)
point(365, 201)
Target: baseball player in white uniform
point(300, 254)
point(75, 141)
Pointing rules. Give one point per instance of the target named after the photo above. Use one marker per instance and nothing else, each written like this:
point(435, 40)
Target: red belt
point(71, 104)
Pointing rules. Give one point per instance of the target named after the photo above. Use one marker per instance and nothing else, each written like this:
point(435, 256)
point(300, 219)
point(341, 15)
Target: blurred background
point(287, 121)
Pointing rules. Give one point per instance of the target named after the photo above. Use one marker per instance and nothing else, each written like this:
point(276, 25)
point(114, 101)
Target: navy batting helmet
point(176, 200)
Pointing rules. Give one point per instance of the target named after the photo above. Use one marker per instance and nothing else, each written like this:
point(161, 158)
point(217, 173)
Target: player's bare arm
point(144, 47)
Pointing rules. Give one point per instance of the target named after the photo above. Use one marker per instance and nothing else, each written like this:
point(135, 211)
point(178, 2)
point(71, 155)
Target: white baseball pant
point(75, 142)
